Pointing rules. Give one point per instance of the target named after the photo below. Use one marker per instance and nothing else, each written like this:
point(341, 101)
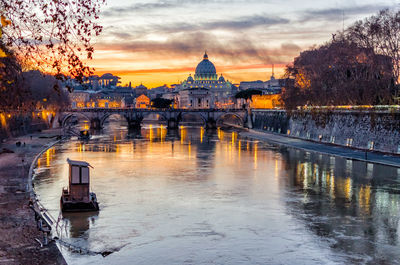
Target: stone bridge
point(134, 117)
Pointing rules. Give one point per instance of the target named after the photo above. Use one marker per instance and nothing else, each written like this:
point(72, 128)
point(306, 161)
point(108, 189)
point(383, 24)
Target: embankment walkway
point(18, 230)
point(330, 149)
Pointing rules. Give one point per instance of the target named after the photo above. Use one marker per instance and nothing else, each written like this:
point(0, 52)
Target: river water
point(199, 197)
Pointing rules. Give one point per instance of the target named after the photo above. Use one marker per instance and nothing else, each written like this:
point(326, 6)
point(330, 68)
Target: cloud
point(242, 23)
point(239, 48)
point(139, 7)
point(164, 4)
point(129, 32)
point(336, 14)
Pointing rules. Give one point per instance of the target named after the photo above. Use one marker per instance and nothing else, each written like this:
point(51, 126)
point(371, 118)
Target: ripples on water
point(193, 196)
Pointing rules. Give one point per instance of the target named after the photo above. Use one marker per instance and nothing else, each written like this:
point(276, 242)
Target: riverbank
point(330, 149)
point(19, 233)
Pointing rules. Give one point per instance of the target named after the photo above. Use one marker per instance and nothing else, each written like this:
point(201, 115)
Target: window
point(85, 175)
point(75, 175)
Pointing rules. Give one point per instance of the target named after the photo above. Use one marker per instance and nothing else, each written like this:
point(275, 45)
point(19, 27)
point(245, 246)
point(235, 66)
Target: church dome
point(206, 69)
point(190, 79)
point(221, 79)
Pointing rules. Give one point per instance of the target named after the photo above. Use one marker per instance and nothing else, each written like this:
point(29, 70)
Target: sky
point(158, 42)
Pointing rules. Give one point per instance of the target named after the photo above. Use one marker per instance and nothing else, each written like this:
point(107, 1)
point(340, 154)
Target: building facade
point(206, 88)
point(142, 102)
point(195, 98)
point(269, 87)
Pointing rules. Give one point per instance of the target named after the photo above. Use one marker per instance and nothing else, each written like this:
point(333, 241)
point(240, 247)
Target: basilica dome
point(205, 70)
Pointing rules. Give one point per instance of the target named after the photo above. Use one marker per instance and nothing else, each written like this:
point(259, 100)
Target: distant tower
point(273, 71)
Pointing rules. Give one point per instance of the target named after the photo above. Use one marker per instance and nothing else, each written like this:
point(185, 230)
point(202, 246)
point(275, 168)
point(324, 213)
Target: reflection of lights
point(189, 149)
point(305, 179)
point(316, 174)
point(239, 148)
point(220, 134)
point(276, 168)
point(183, 134)
point(233, 138)
point(3, 120)
point(364, 198)
point(255, 155)
point(48, 157)
point(151, 134)
point(201, 134)
point(348, 190)
point(332, 185)
point(323, 178)
point(163, 132)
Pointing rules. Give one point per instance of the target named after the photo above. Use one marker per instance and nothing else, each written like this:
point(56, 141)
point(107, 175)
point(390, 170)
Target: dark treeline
point(45, 91)
point(359, 66)
point(161, 103)
point(30, 90)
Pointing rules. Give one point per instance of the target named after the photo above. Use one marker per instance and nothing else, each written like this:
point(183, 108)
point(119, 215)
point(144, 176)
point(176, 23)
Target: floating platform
point(77, 197)
point(68, 205)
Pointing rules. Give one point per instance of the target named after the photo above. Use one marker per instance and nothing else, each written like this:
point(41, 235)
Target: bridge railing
point(148, 110)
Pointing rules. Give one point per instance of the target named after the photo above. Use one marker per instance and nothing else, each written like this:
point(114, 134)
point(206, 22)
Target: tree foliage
point(248, 93)
point(161, 103)
point(45, 91)
point(381, 33)
point(357, 67)
point(51, 35)
point(12, 93)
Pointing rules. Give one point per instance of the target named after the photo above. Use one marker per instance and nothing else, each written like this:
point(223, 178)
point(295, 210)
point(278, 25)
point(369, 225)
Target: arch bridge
point(210, 117)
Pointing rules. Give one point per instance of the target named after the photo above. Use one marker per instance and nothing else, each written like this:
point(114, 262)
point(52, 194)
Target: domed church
point(206, 82)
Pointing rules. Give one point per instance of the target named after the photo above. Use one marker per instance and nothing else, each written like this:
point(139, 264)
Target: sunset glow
point(161, 42)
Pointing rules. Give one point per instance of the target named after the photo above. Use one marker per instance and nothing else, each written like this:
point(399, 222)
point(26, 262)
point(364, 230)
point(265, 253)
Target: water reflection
point(197, 190)
point(79, 223)
point(353, 204)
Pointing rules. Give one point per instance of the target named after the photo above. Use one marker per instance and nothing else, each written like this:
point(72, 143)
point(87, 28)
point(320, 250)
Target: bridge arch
point(197, 114)
point(230, 114)
point(68, 116)
point(161, 115)
point(105, 117)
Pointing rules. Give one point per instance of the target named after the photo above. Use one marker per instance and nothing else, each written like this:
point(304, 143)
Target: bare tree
point(381, 33)
point(339, 73)
point(51, 35)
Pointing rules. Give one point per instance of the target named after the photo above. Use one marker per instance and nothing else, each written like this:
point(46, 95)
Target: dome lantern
point(205, 70)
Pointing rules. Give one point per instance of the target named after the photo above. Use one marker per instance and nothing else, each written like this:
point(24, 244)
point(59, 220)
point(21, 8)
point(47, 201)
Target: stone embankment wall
point(372, 130)
point(14, 125)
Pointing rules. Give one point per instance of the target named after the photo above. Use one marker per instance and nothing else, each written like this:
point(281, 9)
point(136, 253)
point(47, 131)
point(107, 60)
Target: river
point(193, 196)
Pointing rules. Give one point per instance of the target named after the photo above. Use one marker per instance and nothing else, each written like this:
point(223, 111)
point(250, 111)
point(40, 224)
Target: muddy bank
point(19, 234)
